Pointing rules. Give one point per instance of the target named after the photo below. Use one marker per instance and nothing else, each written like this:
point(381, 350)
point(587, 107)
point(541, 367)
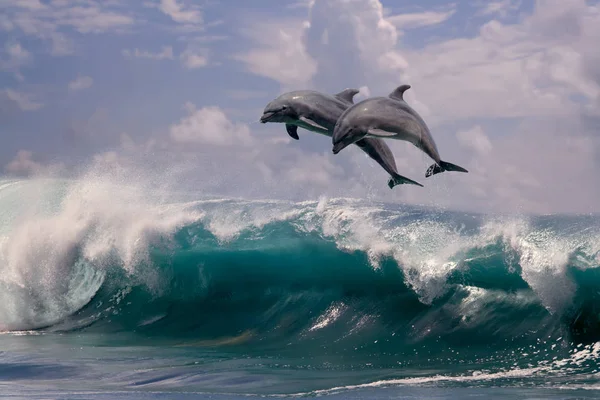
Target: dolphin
point(318, 112)
point(392, 118)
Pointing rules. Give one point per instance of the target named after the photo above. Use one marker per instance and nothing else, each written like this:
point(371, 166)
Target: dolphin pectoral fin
point(292, 130)
point(444, 166)
point(380, 133)
point(312, 123)
point(397, 179)
point(347, 95)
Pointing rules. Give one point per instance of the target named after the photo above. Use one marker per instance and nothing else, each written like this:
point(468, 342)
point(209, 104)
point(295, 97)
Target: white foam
point(427, 250)
point(329, 316)
point(546, 369)
point(96, 221)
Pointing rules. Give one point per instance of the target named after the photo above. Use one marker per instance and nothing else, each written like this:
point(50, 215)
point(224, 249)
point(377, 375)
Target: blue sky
point(509, 88)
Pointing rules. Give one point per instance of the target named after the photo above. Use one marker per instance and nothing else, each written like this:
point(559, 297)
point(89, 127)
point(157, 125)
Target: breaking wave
point(388, 282)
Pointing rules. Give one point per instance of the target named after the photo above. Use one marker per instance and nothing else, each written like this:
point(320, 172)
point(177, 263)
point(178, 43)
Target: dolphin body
point(392, 118)
point(318, 112)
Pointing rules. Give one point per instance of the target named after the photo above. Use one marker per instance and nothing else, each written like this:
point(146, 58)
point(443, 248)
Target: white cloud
point(279, 55)
point(165, 54)
point(314, 170)
point(299, 4)
point(25, 101)
point(34, 18)
point(475, 139)
point(91, 19)
point(61, 44)
point(209, 125)
point(180, 13)
point(81, 83)
point(16, 57)
point(343, 43)
point(23, 164)
point(5, 23)
point(17, 54)
point(30, 4)
point(518, 70)
point(353, 45)
point(544, 166)
point(194, 59)
point(501, 7)
point(417, 20)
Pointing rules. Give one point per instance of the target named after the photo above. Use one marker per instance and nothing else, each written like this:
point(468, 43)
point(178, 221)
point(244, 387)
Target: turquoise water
point(116, 291)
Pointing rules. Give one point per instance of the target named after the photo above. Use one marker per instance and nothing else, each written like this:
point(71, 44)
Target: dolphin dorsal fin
point(398, 93)
point(347, 95)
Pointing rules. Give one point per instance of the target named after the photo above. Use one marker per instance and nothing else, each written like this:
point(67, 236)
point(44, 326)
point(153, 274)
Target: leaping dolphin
point(392, 118)
point(318, 112)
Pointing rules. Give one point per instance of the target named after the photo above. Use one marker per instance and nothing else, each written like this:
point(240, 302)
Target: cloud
point(30, 4)
point(475, 139)
point(16, 57)
point(343, 43)
point(501, 7)
point(5, 23)
point(61, 44)
point(314, 170)
point(45, 21)
point(533, 68)
point(23, 164)
point(81, 83)
point(187, 17)
point(165, 54)
point(209, 125)
point(180, 13)
point(25, 101)
point(191, 58)
point(194, 59)
point(545, 166)
point(91, 19)
point(299, 4)
point(279, 54)
point(353, 45)
point(418, 20)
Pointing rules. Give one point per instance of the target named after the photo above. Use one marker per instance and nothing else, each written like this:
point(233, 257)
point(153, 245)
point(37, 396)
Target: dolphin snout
point(267, 116)
point(338, 147)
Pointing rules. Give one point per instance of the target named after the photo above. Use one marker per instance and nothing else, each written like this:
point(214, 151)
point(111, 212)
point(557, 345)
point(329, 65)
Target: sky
point(510, 90)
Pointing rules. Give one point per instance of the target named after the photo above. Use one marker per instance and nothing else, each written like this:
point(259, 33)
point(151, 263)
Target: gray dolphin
point(392, 118)
point(318, 112)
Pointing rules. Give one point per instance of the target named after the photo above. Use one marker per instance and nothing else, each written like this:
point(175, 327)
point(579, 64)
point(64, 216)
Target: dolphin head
point(345, 133)
point(279, 110)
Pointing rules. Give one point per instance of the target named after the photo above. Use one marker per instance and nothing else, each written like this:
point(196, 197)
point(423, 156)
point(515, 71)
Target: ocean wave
point(92, 255)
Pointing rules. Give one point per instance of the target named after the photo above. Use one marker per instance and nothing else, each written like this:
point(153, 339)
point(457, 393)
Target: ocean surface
point(112, 291)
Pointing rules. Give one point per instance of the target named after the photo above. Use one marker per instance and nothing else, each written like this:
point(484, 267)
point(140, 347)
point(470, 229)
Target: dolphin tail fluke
point(443, 166)
point(397, 179)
